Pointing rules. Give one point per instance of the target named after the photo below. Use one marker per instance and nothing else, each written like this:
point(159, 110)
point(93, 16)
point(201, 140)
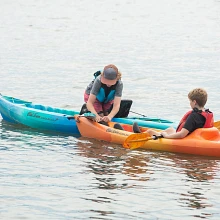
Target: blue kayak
point(38, 116)
point(43, 117)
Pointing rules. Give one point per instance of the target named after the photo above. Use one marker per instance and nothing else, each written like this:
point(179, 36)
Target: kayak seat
point(40, 107)
point(50, 109)
point(124, 108)
point(208, 133)
point(16, 101)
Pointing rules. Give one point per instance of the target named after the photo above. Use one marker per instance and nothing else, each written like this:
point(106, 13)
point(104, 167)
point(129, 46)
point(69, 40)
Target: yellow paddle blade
point(134, 141)
point(217, 125)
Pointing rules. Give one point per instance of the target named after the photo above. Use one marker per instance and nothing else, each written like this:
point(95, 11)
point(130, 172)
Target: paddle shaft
point(138, 113)
point(85, 116)
point(154, 137)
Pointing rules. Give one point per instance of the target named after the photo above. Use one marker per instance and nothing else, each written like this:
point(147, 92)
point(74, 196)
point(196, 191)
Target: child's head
point(110, 75)
point(199, 95)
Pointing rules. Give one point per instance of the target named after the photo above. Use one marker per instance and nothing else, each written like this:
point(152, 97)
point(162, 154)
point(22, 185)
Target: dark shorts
point(99, 106)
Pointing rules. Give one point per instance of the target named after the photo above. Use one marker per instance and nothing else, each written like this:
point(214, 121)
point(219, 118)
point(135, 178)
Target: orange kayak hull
point(203, 141)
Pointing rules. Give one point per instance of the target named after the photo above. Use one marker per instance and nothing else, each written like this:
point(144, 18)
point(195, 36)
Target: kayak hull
point(203, 141)
point(38, 116)
point(147, 122)
point(43, 117)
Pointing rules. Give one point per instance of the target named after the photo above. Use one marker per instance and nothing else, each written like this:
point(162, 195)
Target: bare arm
point(116, 106)
point(90, 106)
point(114, 111)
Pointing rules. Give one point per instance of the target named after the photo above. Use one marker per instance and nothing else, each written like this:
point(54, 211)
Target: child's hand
point(106, 118)
point(98, 118)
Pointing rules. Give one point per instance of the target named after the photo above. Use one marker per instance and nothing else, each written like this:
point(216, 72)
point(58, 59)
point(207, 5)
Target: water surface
point(49, 51)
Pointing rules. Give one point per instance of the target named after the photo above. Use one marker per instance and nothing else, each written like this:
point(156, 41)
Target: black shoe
point(118, 126)
point(136, 129)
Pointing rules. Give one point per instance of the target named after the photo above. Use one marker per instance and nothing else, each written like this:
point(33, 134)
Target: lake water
point(48, 53)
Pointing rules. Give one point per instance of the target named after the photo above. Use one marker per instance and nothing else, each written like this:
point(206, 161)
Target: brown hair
point(118, 75)
point(200, 95)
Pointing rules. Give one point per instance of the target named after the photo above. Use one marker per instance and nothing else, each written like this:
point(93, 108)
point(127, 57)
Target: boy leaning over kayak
point(102, 92)
point(198, 117)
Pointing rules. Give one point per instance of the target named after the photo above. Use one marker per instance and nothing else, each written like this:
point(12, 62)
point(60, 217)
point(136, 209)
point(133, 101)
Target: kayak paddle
point(217, 125)
point(137, 140)
point(87, 115)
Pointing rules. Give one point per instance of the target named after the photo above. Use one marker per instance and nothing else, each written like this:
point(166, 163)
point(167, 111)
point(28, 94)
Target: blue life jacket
point(106, 93)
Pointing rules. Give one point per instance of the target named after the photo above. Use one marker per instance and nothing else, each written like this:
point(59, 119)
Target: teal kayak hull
point(147, 122)
point(43, 117)
point(38, 116)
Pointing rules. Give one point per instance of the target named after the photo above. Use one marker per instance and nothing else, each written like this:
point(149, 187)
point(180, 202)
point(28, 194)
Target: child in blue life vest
point(104, 91)
point(198, 117)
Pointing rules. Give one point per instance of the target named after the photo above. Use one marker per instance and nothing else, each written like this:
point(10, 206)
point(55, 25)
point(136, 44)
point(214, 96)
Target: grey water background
point(48, 53)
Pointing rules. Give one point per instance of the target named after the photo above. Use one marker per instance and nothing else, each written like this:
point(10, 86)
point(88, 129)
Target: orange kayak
point(203, 141)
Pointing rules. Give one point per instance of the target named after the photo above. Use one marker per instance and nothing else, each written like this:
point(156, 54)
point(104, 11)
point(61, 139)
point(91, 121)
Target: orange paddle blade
point(217, 125)
point(137, 140)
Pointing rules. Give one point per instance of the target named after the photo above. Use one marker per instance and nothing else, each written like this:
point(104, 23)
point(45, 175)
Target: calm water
point(48, 53)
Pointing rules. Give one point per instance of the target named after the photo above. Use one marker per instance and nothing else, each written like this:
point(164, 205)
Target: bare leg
point(169, 130)
point(152, 132)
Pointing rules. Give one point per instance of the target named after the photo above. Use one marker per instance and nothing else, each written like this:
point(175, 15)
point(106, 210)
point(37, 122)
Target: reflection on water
point(196, 173)
point(106, 163)
point(200, 172)
point(199, 169)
